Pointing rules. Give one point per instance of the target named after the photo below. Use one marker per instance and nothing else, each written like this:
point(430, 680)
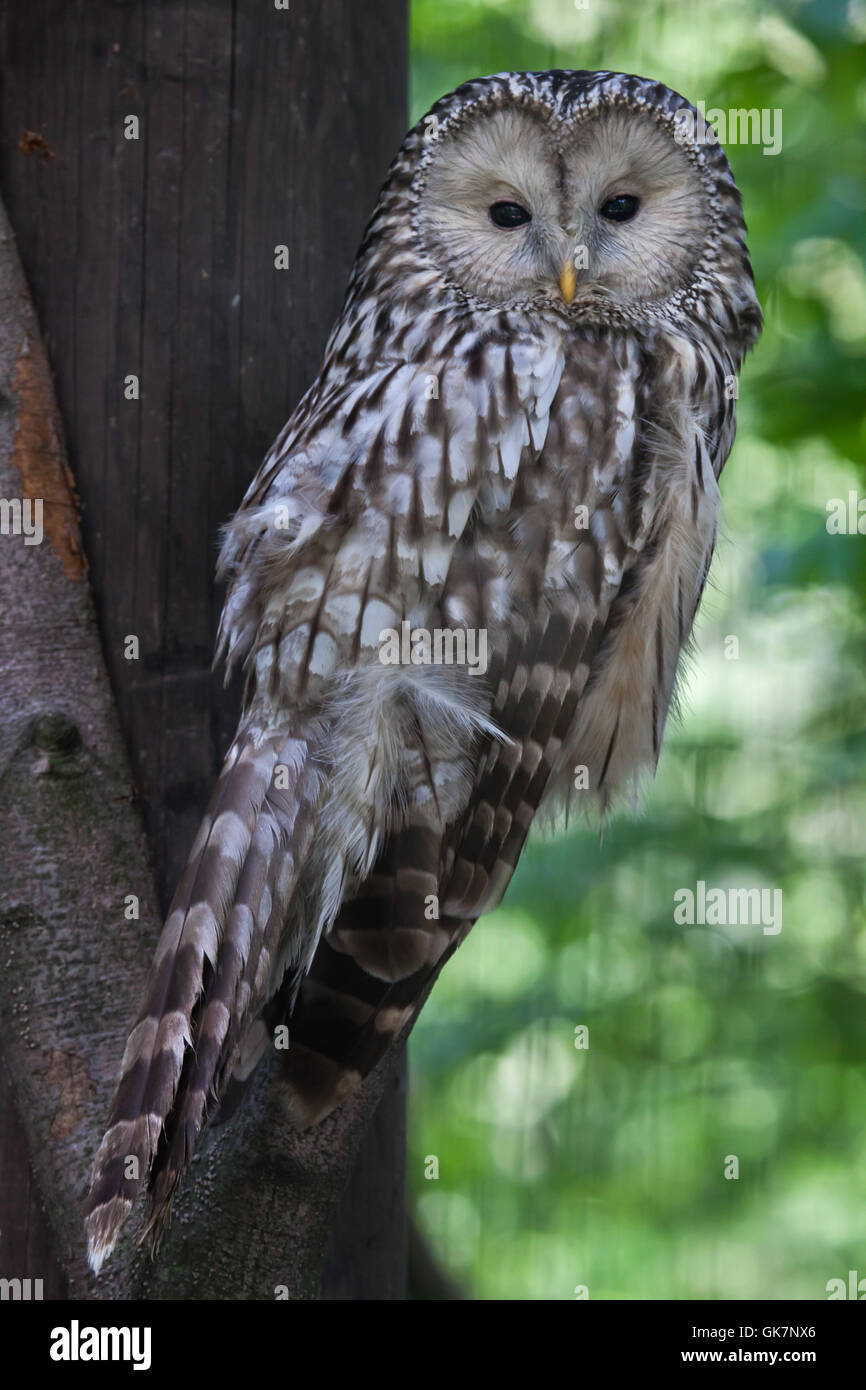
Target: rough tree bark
point(156, 258)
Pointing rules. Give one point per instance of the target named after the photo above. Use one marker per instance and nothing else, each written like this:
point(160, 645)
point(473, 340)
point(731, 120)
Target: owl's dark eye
point(509, 215)
point(621, 208)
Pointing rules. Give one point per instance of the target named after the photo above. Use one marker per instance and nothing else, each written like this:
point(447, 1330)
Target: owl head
point(579, 194)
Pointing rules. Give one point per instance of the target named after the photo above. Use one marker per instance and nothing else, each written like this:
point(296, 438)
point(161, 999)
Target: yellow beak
point(568, 282)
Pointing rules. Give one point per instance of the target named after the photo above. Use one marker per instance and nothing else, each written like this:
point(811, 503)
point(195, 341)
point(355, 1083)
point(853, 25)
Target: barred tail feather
point(268, 879)
point(241, 870)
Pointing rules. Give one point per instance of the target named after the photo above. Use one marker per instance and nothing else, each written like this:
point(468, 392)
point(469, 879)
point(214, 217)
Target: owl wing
point(349, 528)
point(373, 543)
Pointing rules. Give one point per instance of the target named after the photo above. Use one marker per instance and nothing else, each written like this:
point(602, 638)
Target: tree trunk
point(179, 348)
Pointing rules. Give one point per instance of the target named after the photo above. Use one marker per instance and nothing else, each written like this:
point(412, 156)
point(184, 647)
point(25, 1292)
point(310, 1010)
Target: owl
point(459, 585)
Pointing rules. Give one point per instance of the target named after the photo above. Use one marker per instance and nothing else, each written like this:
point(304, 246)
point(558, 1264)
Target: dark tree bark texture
point(154, 157)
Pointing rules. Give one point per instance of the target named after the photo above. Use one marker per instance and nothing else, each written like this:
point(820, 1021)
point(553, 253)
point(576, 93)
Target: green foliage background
point(561, 1167)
